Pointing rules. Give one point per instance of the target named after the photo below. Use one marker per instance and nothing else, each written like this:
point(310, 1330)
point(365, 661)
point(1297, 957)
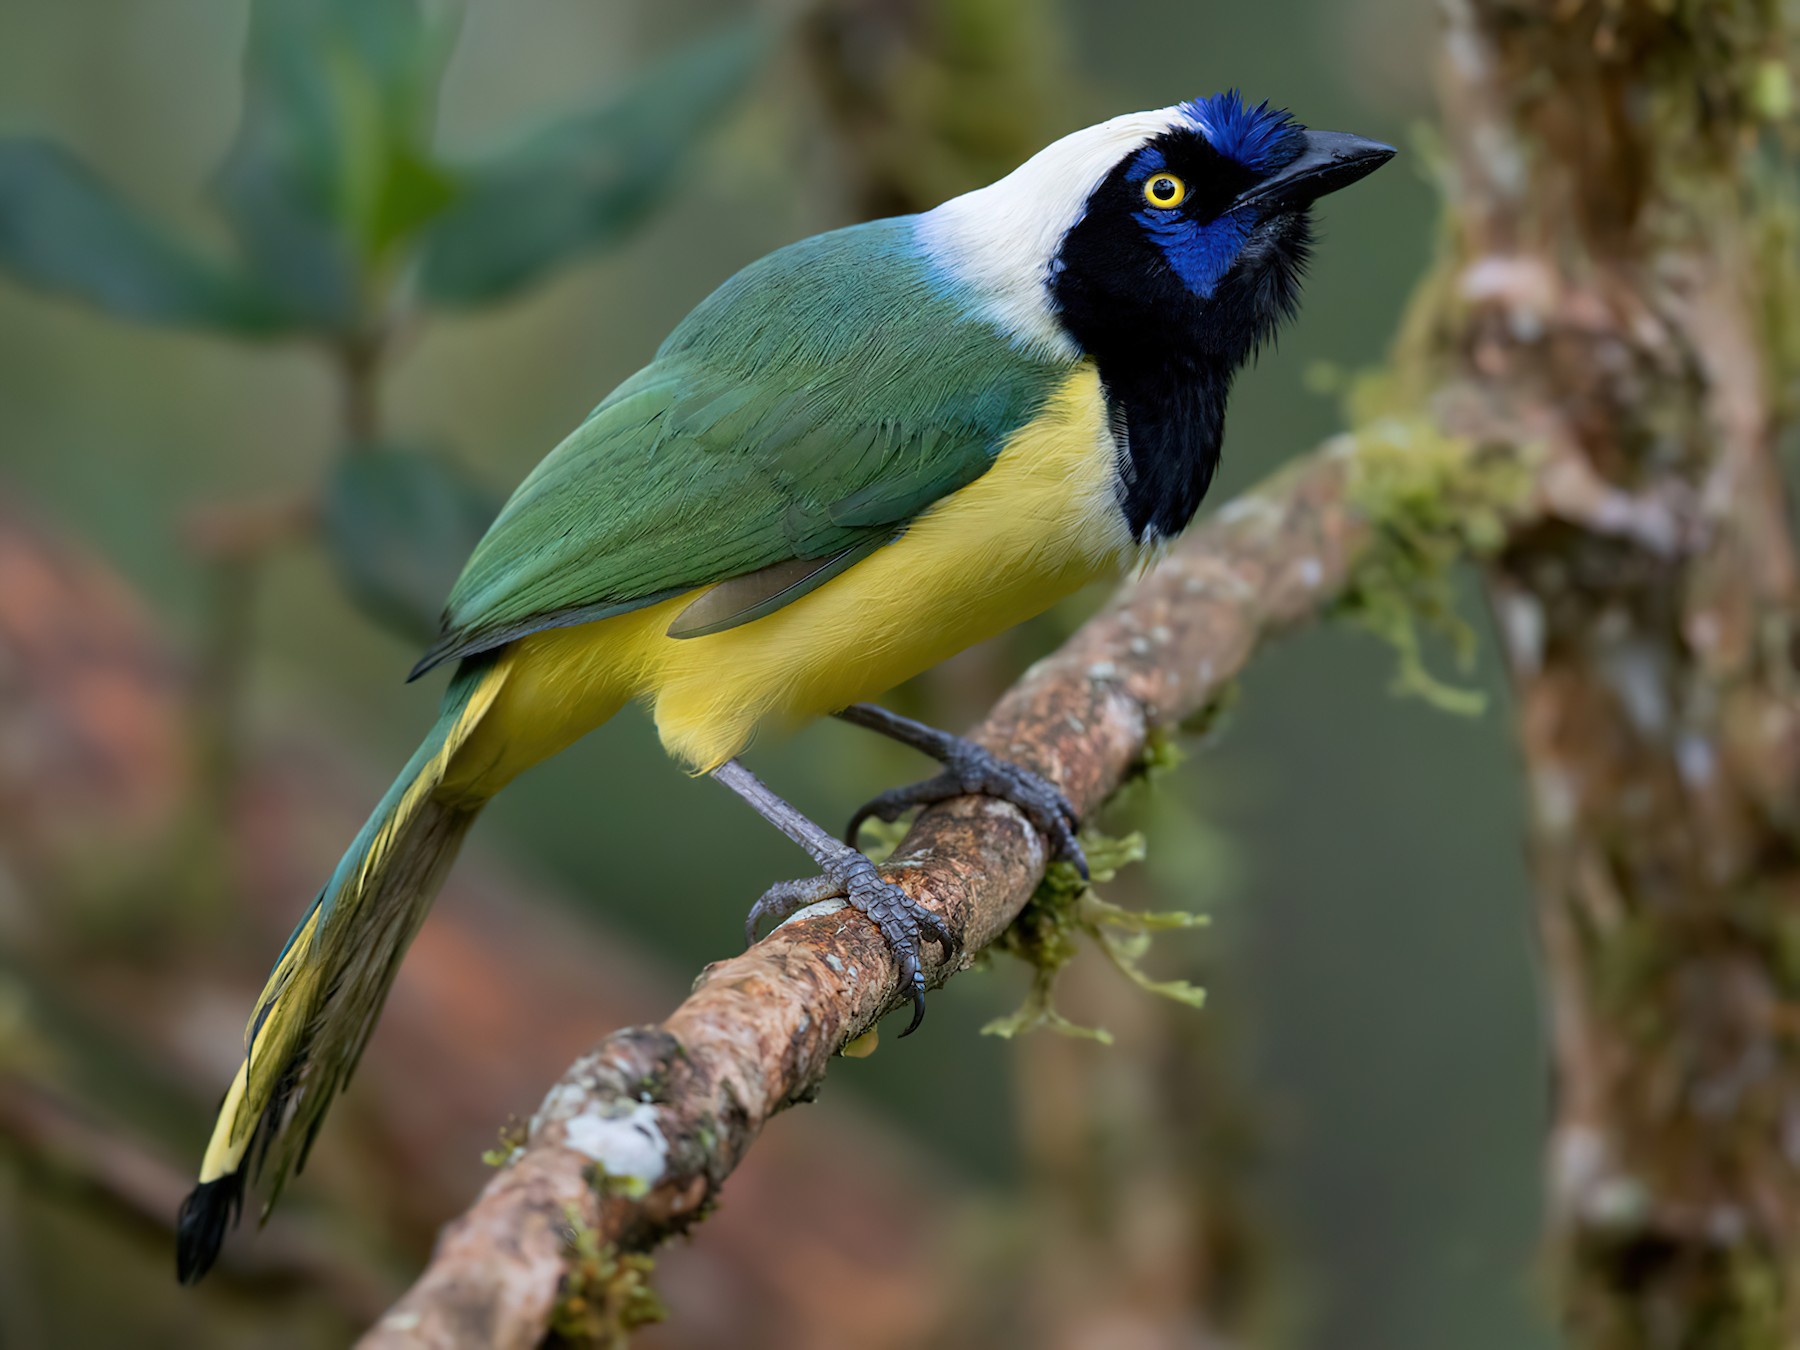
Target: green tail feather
point(322, 999)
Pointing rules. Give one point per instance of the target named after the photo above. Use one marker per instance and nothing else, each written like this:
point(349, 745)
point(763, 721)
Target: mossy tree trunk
point(1620, 290)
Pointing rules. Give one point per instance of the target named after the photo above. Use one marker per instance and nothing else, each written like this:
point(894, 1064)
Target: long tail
point(316, 1012)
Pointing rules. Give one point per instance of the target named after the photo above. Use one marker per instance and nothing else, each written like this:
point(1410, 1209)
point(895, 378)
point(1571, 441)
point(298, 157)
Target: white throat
point(1001, 240)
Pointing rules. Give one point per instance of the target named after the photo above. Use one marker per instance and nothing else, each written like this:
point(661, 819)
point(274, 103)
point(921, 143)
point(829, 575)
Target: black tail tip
point(210, 1209)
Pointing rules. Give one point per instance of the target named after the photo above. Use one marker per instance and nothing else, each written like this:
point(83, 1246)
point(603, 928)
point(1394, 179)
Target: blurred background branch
point(1622, 283)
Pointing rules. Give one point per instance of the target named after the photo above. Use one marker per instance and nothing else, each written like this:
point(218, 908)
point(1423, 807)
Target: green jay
point(861, 454)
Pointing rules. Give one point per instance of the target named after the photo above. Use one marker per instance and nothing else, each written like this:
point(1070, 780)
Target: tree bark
point(1615, 290)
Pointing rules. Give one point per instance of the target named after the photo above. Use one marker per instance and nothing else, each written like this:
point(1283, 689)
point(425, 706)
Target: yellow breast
point(1038, 525)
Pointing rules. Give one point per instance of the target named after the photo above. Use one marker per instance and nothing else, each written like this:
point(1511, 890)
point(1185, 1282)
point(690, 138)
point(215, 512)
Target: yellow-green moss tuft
point(511, 1143)
point(1046, 937)
point(1432, 500)
point(607, 1293)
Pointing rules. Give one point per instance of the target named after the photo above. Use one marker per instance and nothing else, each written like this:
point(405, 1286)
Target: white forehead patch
point(1000, 240)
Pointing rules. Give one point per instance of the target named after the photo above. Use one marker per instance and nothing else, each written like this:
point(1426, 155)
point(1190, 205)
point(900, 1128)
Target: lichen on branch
point(1434, 500)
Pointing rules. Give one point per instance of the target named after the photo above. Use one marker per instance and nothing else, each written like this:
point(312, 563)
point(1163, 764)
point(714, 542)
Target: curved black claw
point(905, 924)
point(785, 898)
point(973, 770)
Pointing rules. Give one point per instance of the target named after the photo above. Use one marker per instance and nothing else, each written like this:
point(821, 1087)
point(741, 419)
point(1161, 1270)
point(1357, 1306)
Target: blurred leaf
point(400, 524)
point(63, 230)
point(584, 182)
point(332, 162)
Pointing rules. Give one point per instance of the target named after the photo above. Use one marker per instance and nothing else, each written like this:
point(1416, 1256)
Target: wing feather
point(802, 414)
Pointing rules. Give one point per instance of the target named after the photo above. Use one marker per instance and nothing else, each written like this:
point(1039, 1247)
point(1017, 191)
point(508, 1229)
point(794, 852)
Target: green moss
point(606, 1183)
point(1774, 230)
point(879, 838)
point(1047, 933)
point(1162, 753)
point(1755, 1313)
point(606, 1294)
point(23, 1049)
point(1772, 90)
point(511, 1144)
point(1432, 500)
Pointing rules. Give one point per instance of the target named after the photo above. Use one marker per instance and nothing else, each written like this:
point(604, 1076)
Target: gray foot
point(905, 924)
point(973, 770)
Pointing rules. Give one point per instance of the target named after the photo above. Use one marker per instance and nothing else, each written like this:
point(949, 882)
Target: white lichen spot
point(1586, 1181)
point(1312, 573)
point(832, 959)
point(1102, 670)
point(1777, 722)
point(1500, 154)
point(1704, 631)
point(1140, 646)
point(1579, 1159)
point(629, 1147)
point(1247, 508)
point(401, 1321)
point(561, 1102)
point(1695, 759)
point(1523, 628)
point(1635, 671)
point(1727, 1225)
point(1160, 633)
point(823, 907)
point(1618, 1204)
point(1554, 795)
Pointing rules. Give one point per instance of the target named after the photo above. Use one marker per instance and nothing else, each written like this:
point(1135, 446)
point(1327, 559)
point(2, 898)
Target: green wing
point(804, 413)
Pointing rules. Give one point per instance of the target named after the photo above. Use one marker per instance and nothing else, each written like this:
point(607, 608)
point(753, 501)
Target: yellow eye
point(1164, 190)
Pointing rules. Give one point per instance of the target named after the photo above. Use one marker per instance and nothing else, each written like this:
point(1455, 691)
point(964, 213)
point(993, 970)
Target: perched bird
point(859, 455)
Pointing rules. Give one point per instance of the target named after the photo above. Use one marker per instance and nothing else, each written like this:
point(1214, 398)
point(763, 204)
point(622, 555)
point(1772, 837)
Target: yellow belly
point(1037, 526)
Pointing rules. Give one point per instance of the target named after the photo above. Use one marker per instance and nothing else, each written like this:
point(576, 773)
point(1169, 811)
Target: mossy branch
point(671, 1109)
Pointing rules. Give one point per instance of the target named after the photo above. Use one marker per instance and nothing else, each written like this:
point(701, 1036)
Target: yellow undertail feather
point(321, 1000)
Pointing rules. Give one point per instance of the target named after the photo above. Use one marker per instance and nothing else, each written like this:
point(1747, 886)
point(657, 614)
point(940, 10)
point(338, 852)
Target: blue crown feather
point(1258, 137)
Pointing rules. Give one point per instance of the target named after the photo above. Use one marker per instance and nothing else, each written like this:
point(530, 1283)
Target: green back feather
point(815, 403)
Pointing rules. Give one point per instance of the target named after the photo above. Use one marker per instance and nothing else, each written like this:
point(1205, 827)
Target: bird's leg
point(905, 924)
point(969, 770)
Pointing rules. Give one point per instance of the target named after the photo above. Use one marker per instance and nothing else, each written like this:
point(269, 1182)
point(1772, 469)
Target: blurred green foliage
point(398, 522)
point(349, 224)
point(63, 230)
point(581, 182)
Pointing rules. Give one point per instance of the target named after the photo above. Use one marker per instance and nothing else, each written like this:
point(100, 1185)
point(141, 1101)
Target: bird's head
point(1182, 231)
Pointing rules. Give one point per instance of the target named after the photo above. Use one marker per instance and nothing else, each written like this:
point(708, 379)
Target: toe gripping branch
point(905, 925)
point(970, 770)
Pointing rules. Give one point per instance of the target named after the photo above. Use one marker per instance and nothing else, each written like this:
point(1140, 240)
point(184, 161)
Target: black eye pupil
point(1162, 189)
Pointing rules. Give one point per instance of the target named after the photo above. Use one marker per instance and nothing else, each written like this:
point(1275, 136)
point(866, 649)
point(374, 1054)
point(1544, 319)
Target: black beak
point(1331, 160)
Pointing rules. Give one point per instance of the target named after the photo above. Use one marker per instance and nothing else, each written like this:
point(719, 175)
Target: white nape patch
point(1000, 240)
point(630, 1148)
